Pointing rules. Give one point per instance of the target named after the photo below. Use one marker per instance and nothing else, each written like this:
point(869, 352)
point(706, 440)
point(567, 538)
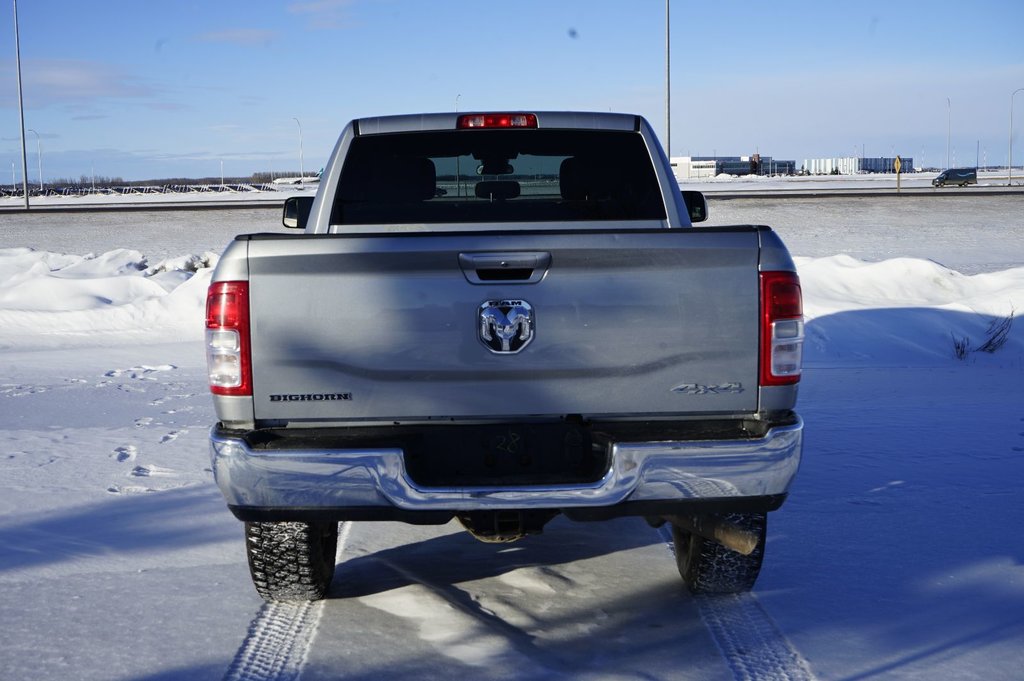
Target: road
point(971, 233)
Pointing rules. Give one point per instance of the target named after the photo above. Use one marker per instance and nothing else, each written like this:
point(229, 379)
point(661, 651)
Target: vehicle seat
point(393, 179)
point(571, 180)
point(589, 179)
point(412, 179)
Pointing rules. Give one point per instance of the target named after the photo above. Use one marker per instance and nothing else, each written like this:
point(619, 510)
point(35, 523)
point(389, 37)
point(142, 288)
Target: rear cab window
point(496, 176)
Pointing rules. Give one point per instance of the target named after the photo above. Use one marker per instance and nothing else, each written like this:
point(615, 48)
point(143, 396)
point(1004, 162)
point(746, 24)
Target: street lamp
point(39, 155)
point(668, 85)
point(21, 106)
point(302, 172)
point(1009, 153)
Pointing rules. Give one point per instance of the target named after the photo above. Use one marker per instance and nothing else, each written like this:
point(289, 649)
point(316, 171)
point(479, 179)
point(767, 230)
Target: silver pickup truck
point(498, 318)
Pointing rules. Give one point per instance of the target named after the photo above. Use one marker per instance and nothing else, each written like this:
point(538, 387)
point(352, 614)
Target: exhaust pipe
point(725, 533)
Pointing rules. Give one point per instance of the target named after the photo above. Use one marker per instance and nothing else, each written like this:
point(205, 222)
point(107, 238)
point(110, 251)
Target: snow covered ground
point(898, 554)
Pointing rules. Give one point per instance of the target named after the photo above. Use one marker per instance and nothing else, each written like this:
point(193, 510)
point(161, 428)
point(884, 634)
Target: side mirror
point(696, 205)
point(296, 211)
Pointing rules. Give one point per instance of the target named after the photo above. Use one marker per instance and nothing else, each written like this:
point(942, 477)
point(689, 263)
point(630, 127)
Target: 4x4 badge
point(506, 326)
point(698, 389)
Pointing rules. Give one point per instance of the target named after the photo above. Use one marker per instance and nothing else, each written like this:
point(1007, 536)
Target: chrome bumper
point(640, 471)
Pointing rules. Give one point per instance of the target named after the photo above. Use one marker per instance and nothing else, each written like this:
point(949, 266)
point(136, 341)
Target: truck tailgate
point(405, 327)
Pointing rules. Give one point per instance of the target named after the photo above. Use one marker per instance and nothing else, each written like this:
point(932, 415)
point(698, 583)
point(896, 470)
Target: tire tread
point(707, 567)
point(291, 561)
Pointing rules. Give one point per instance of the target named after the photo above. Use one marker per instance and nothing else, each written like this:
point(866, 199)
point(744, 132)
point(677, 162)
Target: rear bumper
point(267, 482)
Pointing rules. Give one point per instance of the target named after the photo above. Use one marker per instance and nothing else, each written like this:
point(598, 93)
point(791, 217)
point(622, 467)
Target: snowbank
point(57, 300)
point(907, 312)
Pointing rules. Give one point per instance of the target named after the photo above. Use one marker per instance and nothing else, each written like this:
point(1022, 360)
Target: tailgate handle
point(504, 268)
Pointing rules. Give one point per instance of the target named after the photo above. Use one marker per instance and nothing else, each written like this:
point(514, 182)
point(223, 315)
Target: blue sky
point(148, 89)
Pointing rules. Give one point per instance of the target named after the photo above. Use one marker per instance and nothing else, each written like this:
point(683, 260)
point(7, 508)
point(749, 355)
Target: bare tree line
point(101, 181)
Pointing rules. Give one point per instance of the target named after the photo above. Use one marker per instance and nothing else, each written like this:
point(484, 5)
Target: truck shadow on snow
point(119, 529)
point(457, 558)
point(582, 600)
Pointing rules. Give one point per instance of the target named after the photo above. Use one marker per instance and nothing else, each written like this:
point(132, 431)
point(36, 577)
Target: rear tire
point(707, 567)
point(291, 561)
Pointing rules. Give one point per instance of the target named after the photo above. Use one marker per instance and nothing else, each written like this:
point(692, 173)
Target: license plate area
point(505, 456)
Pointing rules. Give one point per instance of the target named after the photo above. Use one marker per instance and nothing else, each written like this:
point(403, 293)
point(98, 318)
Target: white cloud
point(66, 81)
point(245, 37)
point(323, 13)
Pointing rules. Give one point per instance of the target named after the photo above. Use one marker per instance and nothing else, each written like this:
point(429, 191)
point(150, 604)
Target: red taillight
point(782, 328)
point(228, 358)
point(497, 120)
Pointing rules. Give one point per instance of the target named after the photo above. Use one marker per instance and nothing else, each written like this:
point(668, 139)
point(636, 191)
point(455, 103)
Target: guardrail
point(127, 190)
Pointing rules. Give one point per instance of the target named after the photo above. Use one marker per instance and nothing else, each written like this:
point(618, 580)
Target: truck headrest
point(413, 179)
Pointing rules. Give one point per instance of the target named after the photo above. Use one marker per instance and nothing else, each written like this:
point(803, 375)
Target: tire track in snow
point(276, 646)
point(750, 642)
point(280, 636)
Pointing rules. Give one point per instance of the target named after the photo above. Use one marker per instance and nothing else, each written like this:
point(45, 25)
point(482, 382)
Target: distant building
point(701, 167)
point(852, 165)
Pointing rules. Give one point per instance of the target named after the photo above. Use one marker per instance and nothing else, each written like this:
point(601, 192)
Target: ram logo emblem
point(506, 326)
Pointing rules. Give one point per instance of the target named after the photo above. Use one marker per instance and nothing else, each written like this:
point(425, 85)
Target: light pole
point(948, 126)
point(39, 156)
point(21, 107)
point(1009, 152)
point(668, 87)
point(458, 165)
point(302, 171)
